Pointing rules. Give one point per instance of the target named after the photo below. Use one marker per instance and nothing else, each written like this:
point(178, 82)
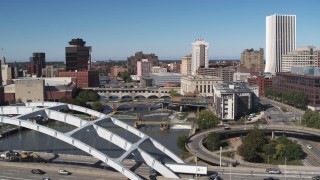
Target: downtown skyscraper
point(200, 56)
point(280, 39)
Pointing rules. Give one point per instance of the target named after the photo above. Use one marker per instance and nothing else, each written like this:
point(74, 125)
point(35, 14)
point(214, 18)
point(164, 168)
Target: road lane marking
point(14, 178)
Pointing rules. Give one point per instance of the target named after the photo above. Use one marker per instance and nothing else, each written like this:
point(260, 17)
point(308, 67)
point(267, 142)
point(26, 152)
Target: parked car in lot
point(63, 172)
point(37, 171)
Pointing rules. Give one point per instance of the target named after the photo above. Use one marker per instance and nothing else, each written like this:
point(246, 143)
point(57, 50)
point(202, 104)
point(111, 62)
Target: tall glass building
point(280, 39)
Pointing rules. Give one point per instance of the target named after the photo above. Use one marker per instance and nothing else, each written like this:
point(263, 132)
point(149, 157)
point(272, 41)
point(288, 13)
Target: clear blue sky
point(117, 29)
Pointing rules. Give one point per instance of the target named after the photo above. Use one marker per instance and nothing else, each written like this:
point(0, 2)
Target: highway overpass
point(195, 145)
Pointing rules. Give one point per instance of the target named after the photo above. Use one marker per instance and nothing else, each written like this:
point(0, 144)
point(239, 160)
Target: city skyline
point(116, 30)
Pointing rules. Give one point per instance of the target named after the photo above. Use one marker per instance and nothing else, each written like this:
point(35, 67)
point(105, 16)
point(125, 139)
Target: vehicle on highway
point(270, 178)
point(316, 178)
point(63, 172)
point(309, 146)
point(46, 178)
point(213, 176)
point(152, 171)
point(227, 128)
point(273, 171)
point(37, 171)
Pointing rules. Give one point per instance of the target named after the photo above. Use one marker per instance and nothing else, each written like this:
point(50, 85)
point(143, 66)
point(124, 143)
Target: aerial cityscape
point(159, 90)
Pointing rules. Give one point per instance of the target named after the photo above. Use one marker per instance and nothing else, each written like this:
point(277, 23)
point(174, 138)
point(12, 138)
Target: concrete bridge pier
point(272, 135)
point(181, 108)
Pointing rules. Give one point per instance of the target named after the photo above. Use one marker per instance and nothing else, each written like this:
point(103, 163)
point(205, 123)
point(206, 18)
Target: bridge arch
point(127, 107)
point(72, 141)
point(126, 97)
point(166, 97)
point(139, 97)
point(113, 97)
point(52, 112)
point(153, 97)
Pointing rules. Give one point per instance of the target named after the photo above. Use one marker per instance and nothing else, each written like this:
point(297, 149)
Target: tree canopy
point(296, 99)
point(311, 119)
point(256, 147)
point(212, 141)
point(173, 93)
point(181, 141)
point(207, 119)
point(97, 106)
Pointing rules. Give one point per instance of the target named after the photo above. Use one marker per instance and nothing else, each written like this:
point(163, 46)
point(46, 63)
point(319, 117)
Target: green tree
point(63, 100)
point(181, 141)
point(248, 152)
point(173, 93)
point(207, 119)
point(97, 106)
point(256, 138)
point(93, 96)
point(212, 141)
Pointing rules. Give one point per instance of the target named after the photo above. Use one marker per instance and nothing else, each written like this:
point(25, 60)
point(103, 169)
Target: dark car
point(37, 171)
point(270, 178)
point(316, 178)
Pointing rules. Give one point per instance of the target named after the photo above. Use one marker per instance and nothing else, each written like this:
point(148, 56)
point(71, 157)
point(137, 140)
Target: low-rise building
point(233, 100)
point(115, 70)
point(199, 85)
point(28, 90)
point(262, 80)
point(224, 72)
point(160, 79)
point(84, 78)
point(241, 77)
point(301, 79)
point(39, 89)
point(158, 69)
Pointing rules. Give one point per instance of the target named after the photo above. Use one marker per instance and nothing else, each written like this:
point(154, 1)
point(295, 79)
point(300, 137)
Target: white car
point(274, 171)
point(309, 146)
point(63, 172)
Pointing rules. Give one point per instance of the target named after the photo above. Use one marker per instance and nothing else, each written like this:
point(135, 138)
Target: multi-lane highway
point(278, 117)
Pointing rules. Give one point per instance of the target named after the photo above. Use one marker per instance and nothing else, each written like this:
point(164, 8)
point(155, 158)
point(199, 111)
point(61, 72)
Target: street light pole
point(196, 164)
point(285, 168)
point(220, 154)
point(230, 167)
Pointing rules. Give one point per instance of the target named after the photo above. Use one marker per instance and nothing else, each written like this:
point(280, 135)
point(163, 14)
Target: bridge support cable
point(74, 142)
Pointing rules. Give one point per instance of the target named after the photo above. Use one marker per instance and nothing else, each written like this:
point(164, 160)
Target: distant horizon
point(126, 60)
point(118, 29)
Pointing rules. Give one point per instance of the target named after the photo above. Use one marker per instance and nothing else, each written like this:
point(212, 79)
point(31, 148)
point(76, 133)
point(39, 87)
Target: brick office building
point(301, 79)
point(84, 78)
point(263, 81)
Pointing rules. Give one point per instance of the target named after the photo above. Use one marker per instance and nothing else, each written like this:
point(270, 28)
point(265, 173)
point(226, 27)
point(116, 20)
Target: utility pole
point(285, 168)
point(230, 167)
point(220, 154)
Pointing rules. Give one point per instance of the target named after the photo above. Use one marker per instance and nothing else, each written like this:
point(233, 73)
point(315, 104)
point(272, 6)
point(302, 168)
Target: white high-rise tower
point(280, 39)
point(199, 55)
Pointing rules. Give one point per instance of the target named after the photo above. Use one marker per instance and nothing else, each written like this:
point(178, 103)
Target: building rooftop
point(203, 77)
point(232, 87)
point(165, 74)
